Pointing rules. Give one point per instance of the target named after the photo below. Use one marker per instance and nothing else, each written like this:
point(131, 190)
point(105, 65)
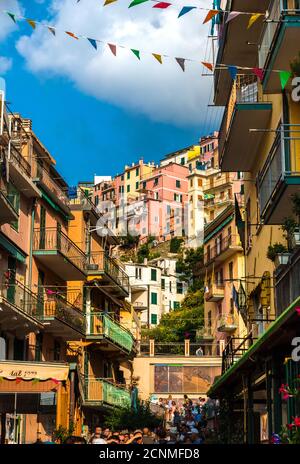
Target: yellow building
point(258, 135)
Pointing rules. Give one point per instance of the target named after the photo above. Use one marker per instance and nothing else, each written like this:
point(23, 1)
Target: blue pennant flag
point(185, 10)
point(232, 71)
point(93, 43)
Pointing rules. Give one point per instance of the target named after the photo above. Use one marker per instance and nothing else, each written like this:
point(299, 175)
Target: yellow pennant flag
point(108, 2)
point(31, 23)
point(157, 57)
point(253, 18)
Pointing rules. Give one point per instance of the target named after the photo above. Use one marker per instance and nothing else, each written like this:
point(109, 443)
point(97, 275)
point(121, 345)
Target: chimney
point(145, 261)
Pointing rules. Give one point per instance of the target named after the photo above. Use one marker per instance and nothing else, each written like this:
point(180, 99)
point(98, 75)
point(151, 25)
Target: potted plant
point(279, 253)
point(296, 211)
point(289, 228)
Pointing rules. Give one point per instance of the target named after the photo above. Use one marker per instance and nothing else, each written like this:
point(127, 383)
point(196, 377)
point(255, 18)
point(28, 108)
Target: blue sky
point(86, 133)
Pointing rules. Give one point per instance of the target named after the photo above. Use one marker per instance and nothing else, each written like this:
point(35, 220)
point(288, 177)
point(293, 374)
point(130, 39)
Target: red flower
point(297, 421)
point(290, 426)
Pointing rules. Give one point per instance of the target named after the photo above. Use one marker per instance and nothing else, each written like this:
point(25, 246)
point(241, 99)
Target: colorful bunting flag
point(71, 34)
point(210, 15)
point(259, 73)
point(35, 381)
point(185, 10)
point(253, 18)
point(52, 30)
point(113, 49)
point(31, 23)
point(284, 78)
point(207, 65)
point(108, 2)
point(93, 42)
point(232, 71)
point(12, 16)
point(181, 62)
point(18, 380)
point(136, 53)
point(1, 379)
point(157, 57)
point(55, 381)
point(232, 15)
point(162, 5)
point(137, 2)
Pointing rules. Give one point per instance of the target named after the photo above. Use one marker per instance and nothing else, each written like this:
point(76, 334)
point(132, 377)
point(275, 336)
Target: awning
point(217, 229)
point(22, 370)
point(55, 206)
point(12, 249)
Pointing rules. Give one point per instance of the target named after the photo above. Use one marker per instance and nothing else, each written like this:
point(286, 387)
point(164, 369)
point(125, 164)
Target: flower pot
point(282, 259)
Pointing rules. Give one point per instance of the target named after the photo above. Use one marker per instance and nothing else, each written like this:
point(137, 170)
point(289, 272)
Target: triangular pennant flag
point(232, 15)
point(232, 71)
point(137, 2)
point(71, 34)
point(35, 381)
point(253, 18)
point(162, 5)
point(259, 72)
point(210, 15)
point(31, 23)
point(136, 53)
point(93, 43)
point(284, 78)
point(207, 65)
point(12, 16)
point(113, 49)
point(52, 30)
point(157, 57)
point(108, 2)
point(185, 10)
point(181, 62)
point(18, 380)
point(55, 381)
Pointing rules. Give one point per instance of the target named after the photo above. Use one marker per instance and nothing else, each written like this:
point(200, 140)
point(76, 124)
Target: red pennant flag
point(181, 62)
point(162, 5)
point(207, 65)
point(259, 72)
point(113, 49)
point(55, 381)
point(210, 15)
point(71, 34)
point(18, 380)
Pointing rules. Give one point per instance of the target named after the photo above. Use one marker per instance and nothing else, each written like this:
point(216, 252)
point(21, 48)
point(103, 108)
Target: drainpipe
point(29, 281)
point(72, 394)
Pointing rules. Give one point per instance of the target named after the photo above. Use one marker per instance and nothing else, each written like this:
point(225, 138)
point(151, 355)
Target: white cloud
point(5, 64)
point(161, 92)
point(6, 24)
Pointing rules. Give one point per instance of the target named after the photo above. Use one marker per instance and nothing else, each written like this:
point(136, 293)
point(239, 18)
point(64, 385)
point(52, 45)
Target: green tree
point(128, 418)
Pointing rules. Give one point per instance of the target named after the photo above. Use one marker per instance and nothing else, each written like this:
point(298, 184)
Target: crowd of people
point(182, 422)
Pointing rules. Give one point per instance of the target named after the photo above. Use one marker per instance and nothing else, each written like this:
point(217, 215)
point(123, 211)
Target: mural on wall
point(183, 379)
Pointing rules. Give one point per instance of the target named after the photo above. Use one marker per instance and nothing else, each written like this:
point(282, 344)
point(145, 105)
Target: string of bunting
point(284, 75)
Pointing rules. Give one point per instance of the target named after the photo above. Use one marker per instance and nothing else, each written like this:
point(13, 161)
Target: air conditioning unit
point(92, 267)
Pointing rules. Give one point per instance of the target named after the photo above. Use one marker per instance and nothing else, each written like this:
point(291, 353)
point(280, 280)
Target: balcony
point(205, 334)
point(227, 324)
point(43, 178)
point(232, 50)
point(214, 292)
point(224, 249)
point(287, 283)
point(82, 202)
point(103, 392)
point(20, 173)
point(7, 211)
point(279, 42)
point(19, 308)
point(109, 271)
point(100, 326)
point(217, 202)
point(221, 180)
point(60, 317)
point(280, 176)
point(234, 350)
point(244, 112)
point(59, 254)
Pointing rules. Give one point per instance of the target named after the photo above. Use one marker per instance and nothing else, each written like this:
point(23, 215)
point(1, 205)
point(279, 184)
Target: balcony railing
point(44, 177)
point(282, 161)
point(217, 181)
point(227, 323)
point(200, 349)
point(21, 297)
point(102, 262)
point(223, 245)
point(52, 239)
point(17, 158)
point(214, 291)
point(54, 305)
point(104, 391)
point(83, 200)
point(103, 326)
point(287, 283)
point(234, 350)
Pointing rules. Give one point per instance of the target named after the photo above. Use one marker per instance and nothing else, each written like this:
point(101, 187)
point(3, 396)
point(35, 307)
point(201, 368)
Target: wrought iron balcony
point(100, 326)
point(223, 249)
point(116, 277)
point(60, 254)
point(214, 292)
point(99, 391)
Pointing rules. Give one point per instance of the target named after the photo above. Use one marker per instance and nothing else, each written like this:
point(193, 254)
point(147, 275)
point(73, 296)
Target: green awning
point(217, 229)
point(12, 249)
point(54, 205)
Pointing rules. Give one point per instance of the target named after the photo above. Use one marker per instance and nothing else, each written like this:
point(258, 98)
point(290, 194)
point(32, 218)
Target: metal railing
point(56, 306)
point(53, 239)
point(109, 265)
point(234, 350)
point(17, 158)
point(217, 181)
point(224, 244)
point(279, 9)
point(104, 391)
point(178, 349)
point(82, 199)
point(283, 160)
point(287, 283)
point(214, 290)
point(102, 325)
point(43, 176)
point(21, 297)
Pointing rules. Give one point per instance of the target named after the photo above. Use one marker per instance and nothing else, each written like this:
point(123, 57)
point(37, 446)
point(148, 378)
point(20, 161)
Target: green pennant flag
point(284, 78)
point(12, 16)
point(137, 2)
point(136, 53)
